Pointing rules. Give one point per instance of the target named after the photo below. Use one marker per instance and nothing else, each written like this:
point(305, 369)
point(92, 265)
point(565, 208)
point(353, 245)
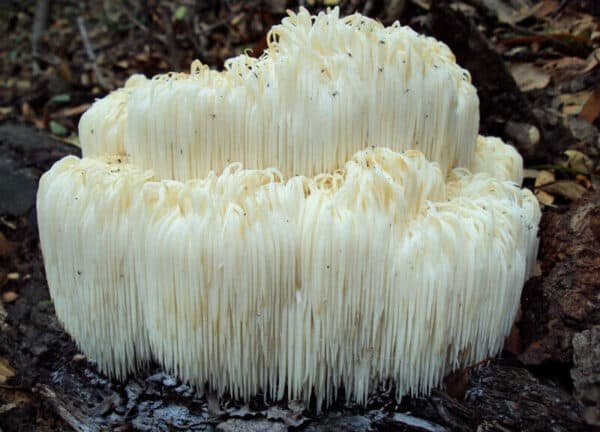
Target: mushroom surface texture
point(325, 88)
point(323, 216)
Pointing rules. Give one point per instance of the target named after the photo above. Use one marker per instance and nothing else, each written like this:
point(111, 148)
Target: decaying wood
point(72, 416)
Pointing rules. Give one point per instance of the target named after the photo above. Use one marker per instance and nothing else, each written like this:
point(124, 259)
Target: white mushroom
point(373, 265)
point(102, 128)
point(499, 160)
point(324, 89)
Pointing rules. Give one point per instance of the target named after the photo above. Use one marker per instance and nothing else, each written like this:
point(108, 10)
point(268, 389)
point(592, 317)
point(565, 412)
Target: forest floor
point(535, 65)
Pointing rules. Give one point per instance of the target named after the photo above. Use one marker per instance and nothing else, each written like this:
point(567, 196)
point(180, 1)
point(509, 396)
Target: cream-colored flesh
point(384, 270)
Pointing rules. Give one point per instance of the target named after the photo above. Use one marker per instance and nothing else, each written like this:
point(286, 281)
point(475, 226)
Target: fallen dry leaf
point(544, 197)
point(546, 7)
point(584, 181)
point(570, 67)
point(512, 12)
point(528, 76)
point(579, 161)
point(572, 103)
point(578, 24)
point(565, 68)
point(530, 173)
point(569, 189)
point(9, 296)
point(6, 371)
point(591, 108)
point(544, 177)
point(592, 60)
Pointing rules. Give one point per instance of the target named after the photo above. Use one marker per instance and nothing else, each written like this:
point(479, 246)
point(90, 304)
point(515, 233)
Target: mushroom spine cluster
point(324, 215)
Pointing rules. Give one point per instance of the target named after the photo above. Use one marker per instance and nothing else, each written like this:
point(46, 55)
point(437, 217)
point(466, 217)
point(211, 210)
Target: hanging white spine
point(253, 282)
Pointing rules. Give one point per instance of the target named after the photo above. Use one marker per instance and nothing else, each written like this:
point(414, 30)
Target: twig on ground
point(40, 21)
point(90, 53)
point(73, 417)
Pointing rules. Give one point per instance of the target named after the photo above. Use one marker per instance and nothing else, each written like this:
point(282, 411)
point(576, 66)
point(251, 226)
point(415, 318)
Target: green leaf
point(60, 98)
point(57, 129)
point(180, 13)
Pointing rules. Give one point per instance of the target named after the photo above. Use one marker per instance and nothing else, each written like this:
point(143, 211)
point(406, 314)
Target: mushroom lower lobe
point(384, 270)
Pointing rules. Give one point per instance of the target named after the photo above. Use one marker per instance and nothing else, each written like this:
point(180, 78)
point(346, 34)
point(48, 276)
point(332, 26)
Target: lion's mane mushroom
point(377, 263)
